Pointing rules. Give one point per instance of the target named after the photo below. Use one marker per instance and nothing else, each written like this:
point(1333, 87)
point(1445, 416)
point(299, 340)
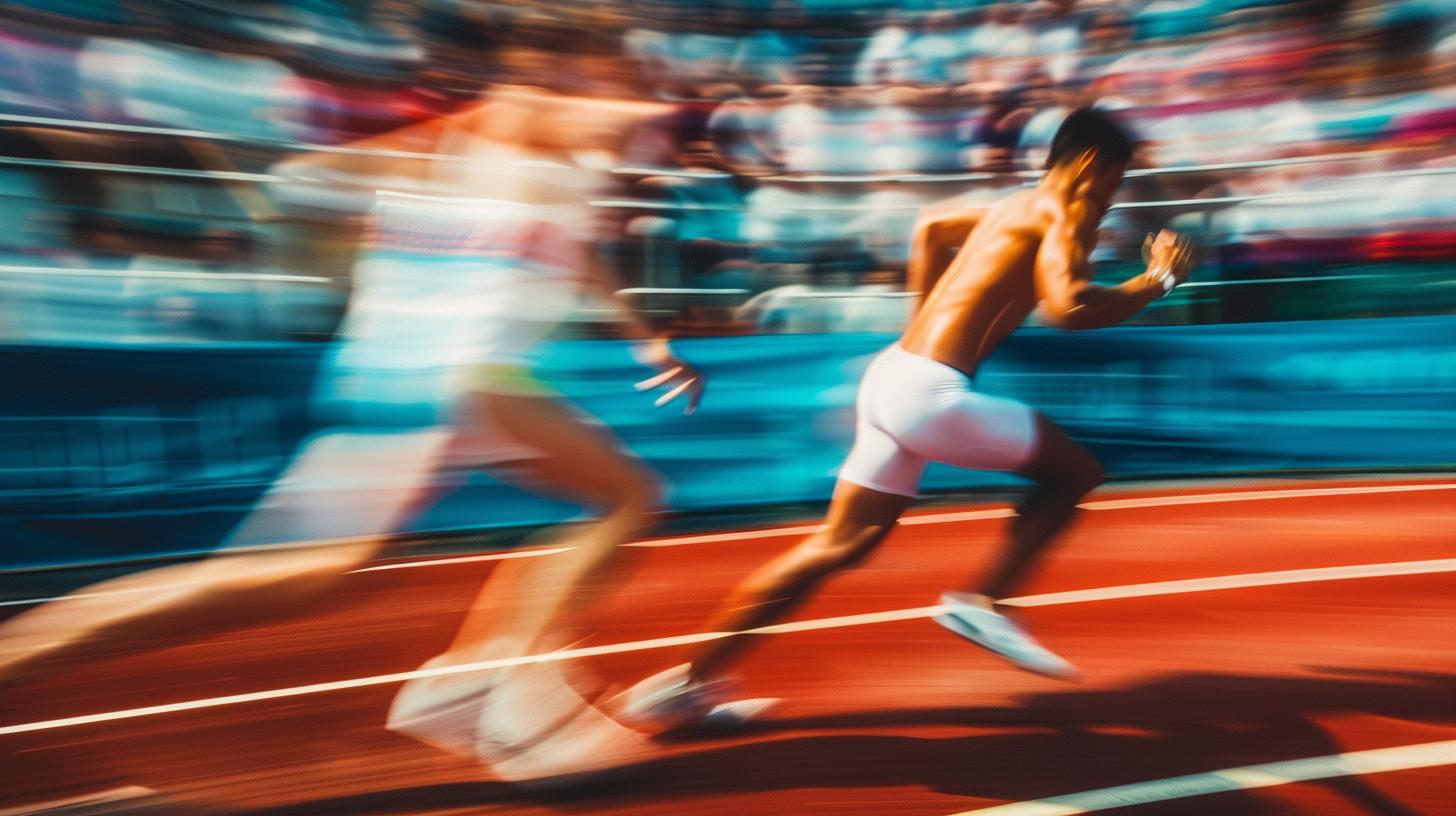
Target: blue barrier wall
point(119, 452)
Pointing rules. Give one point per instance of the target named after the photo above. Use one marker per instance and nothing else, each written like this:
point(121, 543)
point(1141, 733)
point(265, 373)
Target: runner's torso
point(988, 289)
point(470, 273)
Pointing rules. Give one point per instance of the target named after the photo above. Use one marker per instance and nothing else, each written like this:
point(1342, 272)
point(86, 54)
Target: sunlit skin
point(1029, 250)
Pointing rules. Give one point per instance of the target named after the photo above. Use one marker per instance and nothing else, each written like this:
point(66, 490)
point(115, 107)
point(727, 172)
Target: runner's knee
point(822, 555)
point(642, 490)
point(636, 489)
point(1070, 469)
point(1088, 476)
point(845, 549)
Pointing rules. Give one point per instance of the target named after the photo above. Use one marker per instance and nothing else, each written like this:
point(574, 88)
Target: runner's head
point(1090, 153)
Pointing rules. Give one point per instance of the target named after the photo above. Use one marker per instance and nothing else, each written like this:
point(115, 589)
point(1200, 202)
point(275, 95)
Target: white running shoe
point(668, 700)
point(526, 722)
point(535, 728)
point(442, 711)
point(1000, 635)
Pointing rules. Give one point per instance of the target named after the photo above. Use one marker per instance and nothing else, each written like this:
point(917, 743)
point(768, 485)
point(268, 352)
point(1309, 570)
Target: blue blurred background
point(185, 189)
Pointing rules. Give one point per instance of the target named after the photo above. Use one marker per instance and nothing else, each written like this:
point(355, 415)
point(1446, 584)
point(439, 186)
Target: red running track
point(894, 717)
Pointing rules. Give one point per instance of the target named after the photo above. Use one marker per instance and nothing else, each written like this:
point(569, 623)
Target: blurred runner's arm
point(1070, 300)
point(651, 347)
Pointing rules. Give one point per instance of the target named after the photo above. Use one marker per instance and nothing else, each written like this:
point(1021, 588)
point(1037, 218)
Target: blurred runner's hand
point(1169, 257)
point(676, 376)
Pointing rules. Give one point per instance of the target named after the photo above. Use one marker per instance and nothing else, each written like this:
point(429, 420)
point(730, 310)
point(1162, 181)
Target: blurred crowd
point(807, 139)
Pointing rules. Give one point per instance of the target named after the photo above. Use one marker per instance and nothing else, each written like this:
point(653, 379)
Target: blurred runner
point(429, 379)
point(917, 404)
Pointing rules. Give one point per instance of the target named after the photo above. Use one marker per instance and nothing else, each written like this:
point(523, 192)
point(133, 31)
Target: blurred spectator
point(193, 88)
point(923, 130)
point(857, 100)
point(38, 73)
point(938, 53)
point(998, 132)
point(885, 222)
point(1052, 102)
point(769, 56)
point(824, 130)
point(90, 16)
point(1002, 46)
point(741, 129)
point(804, 224)
point(831, 302)
point(886, 57)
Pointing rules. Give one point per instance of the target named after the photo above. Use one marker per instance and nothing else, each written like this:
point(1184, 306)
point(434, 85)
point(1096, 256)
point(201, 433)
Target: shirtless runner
point(917, 404)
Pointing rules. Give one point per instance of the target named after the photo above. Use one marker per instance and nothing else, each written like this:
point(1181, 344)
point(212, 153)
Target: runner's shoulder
point(1032, 211)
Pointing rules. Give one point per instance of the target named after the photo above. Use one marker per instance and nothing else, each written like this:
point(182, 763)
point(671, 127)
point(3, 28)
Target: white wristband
point(1164, 276)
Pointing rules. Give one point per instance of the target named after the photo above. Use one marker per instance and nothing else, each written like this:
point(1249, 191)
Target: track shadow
point(1052, 743)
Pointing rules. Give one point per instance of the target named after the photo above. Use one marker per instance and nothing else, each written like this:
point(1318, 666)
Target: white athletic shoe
point(535, 728)
point(526, 722)
point(668, 700)
point(1001, 635)
point(442, 711)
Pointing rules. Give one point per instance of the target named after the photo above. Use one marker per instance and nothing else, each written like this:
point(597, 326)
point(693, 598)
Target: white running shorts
point(913, 411)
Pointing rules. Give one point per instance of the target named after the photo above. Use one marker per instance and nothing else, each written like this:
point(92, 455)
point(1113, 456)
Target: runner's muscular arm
point(1069, 298)
point(936, 242)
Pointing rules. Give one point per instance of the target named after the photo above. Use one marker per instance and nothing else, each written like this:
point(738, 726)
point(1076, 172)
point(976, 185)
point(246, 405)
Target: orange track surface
point(885, 718)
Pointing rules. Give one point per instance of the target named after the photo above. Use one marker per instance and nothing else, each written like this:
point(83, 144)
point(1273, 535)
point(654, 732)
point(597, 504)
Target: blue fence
point(109, 453)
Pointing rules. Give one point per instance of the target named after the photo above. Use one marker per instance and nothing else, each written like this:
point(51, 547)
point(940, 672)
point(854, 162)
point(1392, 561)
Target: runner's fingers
point(676, 392)
point(696, 395)
point(659, 379)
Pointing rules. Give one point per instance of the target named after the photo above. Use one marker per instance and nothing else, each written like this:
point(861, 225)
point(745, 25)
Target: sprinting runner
point(430, 378)
point(918, 404)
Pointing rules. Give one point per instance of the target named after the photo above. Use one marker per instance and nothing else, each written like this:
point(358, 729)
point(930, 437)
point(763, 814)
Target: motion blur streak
point(317, 314)
point(911, 520)
point(1080, 596)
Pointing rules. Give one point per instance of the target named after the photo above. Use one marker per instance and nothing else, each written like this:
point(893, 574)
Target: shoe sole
point(959, 627)
point(737, 714)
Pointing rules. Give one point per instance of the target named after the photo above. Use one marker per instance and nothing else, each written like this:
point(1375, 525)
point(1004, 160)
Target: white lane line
point(1257, 579)
point(1247, 777)
point(907, 521)
point(1261, 495)
point(981, 515)
point(465, 559)
point(496, 556)
point(805, 529)
point(1104, 593)
point(740, 535)
point(123, 799)
point(946, 518)
point(79, 595)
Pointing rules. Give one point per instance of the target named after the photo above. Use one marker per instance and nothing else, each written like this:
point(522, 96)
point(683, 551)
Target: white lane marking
point(1247, 777)
point(946, 518)
point(1104, 593)
point(107, 801)
point(740, 535)
point(79, 595)
point(993, 513)
point(496, 556)
point(907, 521)
point(805, 529)
point(465, 559)
point(1261, 495)
point(1258, 579)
